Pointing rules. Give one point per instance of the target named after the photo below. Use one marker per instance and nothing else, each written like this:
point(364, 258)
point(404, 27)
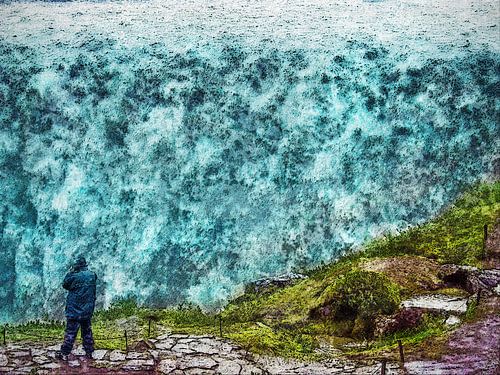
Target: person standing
point(80, 302)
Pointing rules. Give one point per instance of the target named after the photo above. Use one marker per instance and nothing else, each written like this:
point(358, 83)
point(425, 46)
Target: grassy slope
point(279, 321)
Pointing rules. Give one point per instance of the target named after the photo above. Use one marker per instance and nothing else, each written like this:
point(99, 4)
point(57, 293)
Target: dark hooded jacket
point(81, 284)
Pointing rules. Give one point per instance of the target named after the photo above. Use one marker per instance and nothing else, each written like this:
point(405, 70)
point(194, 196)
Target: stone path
point(472, 349)
point(170, 354)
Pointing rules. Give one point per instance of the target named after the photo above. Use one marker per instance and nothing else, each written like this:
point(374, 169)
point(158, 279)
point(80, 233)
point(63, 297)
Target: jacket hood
point(80, 262)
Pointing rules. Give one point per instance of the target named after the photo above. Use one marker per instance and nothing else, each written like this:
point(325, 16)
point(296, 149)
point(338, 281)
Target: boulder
point(439, 303)
point(281, 281)
point(469, 278)
point(404, 319)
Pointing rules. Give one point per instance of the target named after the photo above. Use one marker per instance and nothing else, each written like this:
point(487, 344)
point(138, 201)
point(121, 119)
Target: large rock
point(437, 303)
point(281, 281)
point(469, 278)
point(403, 319)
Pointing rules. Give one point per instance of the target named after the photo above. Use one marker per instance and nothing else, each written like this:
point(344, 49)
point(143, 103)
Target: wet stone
point(138, 365)
point(14, 347)
point(198, 362)
point(138, 355)
point(79, 350)
point(202, 347)
point(99, 354)
point(38, 352)
point(228, 368)
point(162, 337)
point(250, 370)
point(25, 370)
point(50, 366)
point(182, 348)
point(198, 371)
point(179, 336)
point(103, 364)
point(116, 355)
point(166, 344)
point(19, 353)
point(20, 362)
point(41, 359)
point(166, 366)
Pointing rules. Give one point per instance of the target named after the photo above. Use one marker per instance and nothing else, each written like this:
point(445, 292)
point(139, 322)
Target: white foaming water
point(187, 149)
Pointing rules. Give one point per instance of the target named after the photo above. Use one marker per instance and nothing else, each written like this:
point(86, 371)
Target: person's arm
point(95, 286)
point(68, 281)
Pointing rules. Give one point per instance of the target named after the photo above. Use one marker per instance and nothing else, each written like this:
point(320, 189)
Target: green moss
point(471, 311)
point(431, 326)
point(361, 293)
point(262, 339)
point(455, 236)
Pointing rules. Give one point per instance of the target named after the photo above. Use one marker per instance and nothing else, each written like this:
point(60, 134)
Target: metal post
point(126, 342)
point(485, 238)
point(4, 334)
point(220, 325)
point(401, 353)
point(384, 367)
point(149, 327)
point(478, 297)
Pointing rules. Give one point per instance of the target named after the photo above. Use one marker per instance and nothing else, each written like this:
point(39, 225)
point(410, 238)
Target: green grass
point(280, 321)
point(455, 236)
point(432, 326)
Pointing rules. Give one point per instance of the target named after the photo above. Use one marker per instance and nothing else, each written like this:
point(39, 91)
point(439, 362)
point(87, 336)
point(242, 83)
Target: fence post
point(220, 325)
point(478, 297)
point(401, 353)
point(384, 367)
point(126, 341)
point(4, 334)
point(485, 238)
point(149, 327)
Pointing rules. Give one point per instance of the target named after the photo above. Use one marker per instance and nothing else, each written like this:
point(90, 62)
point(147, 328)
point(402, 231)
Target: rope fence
point(126, 337)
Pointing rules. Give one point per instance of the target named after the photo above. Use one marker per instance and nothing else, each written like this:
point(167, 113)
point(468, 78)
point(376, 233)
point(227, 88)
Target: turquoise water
point(182, 174)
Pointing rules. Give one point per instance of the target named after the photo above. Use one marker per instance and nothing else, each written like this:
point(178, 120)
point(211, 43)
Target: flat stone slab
point(19, 353)
point(117, 355)
point(228, 368)
point(41, 359)
point(166, 366)
point(182, 348)
point(437, 302)
point(51, 366)
point(165, 344)
point(198, 362)
point(138, 355)
point(204, 347)
point(99, 354)
point(138, 365)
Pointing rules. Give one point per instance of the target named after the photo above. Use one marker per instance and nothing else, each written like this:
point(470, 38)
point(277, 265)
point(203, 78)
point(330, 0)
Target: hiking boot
point(88, 355)
point(61, 356)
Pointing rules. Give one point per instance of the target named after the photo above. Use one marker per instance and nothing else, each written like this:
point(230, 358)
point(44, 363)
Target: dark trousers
point(72, 326)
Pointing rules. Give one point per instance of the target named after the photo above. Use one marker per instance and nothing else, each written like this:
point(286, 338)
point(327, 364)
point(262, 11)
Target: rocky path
point(474, 348)
point(170, 354)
